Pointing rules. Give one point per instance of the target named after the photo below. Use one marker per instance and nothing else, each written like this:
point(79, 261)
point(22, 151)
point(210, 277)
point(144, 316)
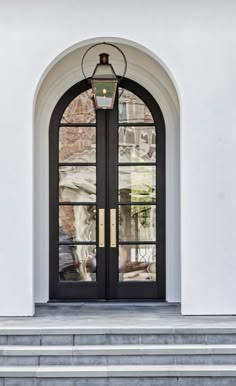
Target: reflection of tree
point(141, 218)
point(141, 214)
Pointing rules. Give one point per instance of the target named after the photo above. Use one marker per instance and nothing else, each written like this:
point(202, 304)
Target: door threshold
point(108, 301)
point(55, 303)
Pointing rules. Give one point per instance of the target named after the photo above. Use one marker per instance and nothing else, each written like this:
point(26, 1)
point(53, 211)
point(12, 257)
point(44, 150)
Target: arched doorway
point(107, 196)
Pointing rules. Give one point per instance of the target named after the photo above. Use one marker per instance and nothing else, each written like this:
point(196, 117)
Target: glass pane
point(77, 183)
point(77, 262)
point(105, 92)
point(137, 183)
point(137, 144)
point(137, 223)
point(80, 110)
point(77, 223)
point(137, 262)
point(132, 108)
point(77, 144)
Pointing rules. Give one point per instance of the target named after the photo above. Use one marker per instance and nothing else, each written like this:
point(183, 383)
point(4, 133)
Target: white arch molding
point(144, 68)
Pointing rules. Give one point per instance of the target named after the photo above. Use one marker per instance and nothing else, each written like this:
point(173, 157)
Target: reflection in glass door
point(107, 206)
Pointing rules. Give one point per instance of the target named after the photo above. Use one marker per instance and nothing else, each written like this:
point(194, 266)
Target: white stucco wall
point(196, 41)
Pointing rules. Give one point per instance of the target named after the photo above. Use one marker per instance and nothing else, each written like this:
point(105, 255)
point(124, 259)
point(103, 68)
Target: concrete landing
point(116, 315)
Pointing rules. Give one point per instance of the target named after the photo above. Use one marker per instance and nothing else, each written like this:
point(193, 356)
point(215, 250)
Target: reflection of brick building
point(132, 109)
point(80, 110)
point(75, 141)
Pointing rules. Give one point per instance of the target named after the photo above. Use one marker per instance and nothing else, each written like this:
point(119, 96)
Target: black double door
point(107, 197)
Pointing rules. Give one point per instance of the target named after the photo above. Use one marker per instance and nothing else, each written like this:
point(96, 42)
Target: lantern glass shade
point(104, 84)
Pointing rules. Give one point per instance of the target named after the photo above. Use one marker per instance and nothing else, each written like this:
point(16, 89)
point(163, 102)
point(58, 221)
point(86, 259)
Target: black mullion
point(101, 200)
point(77, 242)
point(137, 242)
point(77, 124)
point(76, 164)
point(107, 190)
point(113, 198)
point(138, 124)
point(70, 203)
point(154, 203)
point(137, 164)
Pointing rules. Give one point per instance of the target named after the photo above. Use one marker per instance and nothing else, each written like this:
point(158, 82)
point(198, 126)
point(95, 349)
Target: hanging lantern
point(104, 80)
point(104, 83)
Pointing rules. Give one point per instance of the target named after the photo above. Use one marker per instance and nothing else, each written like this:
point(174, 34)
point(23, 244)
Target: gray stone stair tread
point(119, 371)
point(53, 371)
point(124, 349)
point(103, 329)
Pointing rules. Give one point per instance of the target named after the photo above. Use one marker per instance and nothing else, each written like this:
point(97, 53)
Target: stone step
point(149, 349)
point(73, 336)
point(119, 329)
point(108, 371)
point(117, 355)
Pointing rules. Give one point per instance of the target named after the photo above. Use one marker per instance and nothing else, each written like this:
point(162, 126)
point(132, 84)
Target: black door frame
point(104, 288)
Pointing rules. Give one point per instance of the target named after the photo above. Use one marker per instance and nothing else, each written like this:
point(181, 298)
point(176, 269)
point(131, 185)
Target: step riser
point(152, 381)
point(101, 360)
point(116, 339)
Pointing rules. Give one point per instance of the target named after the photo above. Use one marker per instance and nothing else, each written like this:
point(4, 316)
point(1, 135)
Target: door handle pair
point(102, 228)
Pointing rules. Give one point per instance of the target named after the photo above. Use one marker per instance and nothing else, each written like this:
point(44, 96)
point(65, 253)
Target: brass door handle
point(112, 228)
point(101, 235)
